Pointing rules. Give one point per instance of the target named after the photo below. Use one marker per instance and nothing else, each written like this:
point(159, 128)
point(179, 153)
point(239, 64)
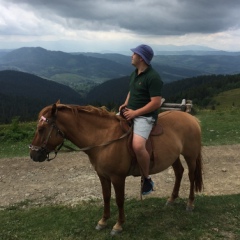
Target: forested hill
point(24, 94)
point(200, 90)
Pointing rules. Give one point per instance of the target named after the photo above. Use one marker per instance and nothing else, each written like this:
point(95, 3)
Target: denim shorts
point(142, 126)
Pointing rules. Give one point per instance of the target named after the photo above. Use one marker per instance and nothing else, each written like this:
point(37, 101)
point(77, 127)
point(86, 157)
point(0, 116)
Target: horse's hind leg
point(191, 174)
point(178, 171)
point(106, 190)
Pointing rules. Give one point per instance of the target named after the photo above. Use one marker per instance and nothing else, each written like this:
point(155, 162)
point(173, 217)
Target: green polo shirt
point(142, 87)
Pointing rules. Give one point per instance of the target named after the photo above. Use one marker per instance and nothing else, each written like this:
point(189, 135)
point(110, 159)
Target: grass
point(220, 127)
point(215, 217)
point(15, 138)
point(228, 100)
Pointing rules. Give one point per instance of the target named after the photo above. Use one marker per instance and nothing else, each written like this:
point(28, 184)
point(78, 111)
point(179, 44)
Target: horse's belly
point(160, 164)
point(157, 164)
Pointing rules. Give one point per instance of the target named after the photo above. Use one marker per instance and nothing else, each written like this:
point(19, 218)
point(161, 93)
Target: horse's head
point(48, 137)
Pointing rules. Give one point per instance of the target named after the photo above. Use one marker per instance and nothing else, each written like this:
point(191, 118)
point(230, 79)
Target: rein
point(106, 143)
point(54, 126)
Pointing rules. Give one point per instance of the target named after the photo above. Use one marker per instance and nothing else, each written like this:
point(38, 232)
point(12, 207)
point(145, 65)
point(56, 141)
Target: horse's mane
point(75, 109)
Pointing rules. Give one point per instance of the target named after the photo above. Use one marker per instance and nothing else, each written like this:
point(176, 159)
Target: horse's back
point(176, 115)
point(181, 124)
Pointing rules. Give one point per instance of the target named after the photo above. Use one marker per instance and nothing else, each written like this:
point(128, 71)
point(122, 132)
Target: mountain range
point(83, 71)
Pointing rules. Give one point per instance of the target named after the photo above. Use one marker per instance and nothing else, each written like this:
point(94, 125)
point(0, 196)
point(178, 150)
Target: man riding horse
point(141, 105)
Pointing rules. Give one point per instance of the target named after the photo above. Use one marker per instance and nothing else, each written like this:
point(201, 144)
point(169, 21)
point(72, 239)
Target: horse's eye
point(41, 130)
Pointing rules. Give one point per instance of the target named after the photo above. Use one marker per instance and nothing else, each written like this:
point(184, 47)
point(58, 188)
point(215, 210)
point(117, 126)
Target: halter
point(43, 148)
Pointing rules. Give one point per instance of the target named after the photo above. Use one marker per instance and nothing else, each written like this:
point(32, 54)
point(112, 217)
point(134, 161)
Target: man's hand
point(129, 114)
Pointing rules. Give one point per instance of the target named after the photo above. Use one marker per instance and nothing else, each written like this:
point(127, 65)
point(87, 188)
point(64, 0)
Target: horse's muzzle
point(38, 156)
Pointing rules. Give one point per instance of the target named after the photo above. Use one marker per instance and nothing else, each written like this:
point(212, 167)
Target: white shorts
point(142, 126)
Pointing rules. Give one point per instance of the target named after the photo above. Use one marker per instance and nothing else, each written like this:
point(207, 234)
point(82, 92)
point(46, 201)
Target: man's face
point(136, 59)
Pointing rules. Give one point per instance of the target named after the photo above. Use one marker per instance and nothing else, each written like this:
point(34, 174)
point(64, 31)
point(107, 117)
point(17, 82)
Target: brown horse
point(101, 135)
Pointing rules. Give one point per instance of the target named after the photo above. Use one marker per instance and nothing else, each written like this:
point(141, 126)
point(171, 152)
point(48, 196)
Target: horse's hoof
point(189, 208)
point(169, 203)
point(100, 227)
point(115, 232)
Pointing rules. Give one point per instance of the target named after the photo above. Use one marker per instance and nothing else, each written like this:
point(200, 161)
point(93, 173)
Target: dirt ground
point(70, 178)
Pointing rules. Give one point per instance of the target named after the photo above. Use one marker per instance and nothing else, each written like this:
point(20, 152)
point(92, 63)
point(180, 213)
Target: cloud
point(153, 17)
point(123, 18)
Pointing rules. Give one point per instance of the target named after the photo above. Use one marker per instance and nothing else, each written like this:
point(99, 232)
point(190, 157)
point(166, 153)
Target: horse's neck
point(88, 129)
point(96, 123)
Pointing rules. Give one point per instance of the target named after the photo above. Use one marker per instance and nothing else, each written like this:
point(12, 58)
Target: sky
point(118, 25)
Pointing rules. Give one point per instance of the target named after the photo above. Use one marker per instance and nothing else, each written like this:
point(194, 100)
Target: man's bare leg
point(143, 158)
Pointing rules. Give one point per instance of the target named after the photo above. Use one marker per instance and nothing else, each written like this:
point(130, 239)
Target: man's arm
point(126, 102)
point(154, 104)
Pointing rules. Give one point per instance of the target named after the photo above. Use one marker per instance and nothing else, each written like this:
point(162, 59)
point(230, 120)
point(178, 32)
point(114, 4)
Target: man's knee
point(139, 146)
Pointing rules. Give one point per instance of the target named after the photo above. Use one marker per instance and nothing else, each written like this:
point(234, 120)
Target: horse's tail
point(198, 179)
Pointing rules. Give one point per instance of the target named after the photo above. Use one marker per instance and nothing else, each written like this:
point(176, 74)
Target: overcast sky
point(87, 25)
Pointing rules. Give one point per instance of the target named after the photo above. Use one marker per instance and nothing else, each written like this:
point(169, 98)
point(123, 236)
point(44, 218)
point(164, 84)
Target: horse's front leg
point(106, 191)
point(119, 187)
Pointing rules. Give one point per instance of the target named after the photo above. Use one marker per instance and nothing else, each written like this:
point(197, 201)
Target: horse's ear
point(54, 109)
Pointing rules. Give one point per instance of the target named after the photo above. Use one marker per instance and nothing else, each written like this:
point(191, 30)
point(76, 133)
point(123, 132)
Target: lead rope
point(141, 188)
point(142, 181)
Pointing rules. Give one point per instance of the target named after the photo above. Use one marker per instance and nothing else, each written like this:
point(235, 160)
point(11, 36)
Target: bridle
point(43, 148)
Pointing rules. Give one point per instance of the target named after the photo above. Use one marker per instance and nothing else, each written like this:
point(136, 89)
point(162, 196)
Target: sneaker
point(147, 186)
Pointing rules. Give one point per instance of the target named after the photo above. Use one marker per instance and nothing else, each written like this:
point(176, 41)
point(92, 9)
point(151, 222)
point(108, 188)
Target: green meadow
point(215, 217)
point(228, 100)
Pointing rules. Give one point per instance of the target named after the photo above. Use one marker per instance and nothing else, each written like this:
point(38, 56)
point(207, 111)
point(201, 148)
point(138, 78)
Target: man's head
point(145, 52)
